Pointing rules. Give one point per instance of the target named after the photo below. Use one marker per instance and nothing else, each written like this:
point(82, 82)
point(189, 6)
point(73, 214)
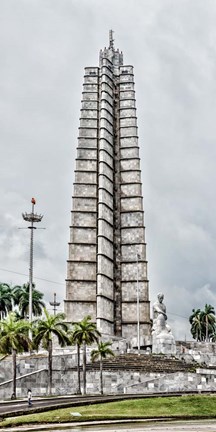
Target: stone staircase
point(145, 363)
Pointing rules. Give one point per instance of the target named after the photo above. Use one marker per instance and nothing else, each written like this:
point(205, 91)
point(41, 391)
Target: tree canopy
point(85, 333)
point(14, 338)
point(21, 299)
point(5, 299)
point(103, 351)
point(203, 324)
point(44, 330)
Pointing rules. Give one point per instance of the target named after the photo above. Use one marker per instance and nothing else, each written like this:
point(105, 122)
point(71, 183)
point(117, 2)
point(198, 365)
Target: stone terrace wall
point(119, 381)
point(201, 352)
point(125, 378)
point(32, 373)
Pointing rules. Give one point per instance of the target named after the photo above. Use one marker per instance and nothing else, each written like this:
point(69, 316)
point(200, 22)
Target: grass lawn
point(186, 406)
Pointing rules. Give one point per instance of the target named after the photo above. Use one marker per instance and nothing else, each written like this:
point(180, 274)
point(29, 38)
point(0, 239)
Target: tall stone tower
point(107, 267)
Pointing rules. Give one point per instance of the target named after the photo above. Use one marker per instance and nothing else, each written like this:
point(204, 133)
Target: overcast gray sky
point(44, 47)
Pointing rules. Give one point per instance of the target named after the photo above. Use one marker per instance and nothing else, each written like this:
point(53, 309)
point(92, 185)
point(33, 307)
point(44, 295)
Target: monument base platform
point(164, 344)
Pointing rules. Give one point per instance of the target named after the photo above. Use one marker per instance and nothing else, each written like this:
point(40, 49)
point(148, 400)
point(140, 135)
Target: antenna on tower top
point(111, 39)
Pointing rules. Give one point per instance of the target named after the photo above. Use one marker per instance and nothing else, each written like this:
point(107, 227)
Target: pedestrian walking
point(29, 398)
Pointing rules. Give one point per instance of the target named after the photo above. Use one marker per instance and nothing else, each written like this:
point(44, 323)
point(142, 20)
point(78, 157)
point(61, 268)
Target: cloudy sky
point(44, 47)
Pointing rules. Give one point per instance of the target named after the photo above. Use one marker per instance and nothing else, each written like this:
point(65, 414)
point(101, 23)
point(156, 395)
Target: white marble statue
point(162, 338)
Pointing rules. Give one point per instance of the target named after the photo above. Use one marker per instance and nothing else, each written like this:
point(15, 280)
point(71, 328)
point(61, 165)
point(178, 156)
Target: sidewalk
point(148, 425)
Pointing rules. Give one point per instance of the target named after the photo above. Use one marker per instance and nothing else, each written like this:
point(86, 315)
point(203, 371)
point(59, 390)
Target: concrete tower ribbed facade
point(107, 249)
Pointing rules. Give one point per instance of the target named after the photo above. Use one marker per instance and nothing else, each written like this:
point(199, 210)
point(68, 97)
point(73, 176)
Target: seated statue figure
point(163, 340)
point(160, 316)
point(159, 308)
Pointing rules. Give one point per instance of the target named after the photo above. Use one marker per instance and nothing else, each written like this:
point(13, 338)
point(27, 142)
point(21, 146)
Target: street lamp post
point(138, 309)
point(55, 304)
point(33, 218)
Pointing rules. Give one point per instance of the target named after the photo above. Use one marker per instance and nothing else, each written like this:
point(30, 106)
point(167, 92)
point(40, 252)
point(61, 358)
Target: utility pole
point(55, 304)
point(33, 218)
point(138, 311)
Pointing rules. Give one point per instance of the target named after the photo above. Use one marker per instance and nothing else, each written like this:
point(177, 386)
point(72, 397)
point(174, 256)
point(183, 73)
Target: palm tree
point(21, 299)
point(213, 336)
point(86, 333)
point(75, 340)
point(5, 299)
point(46, 328)
point(197, 328)
point(208, 317)
point(103, 350)
point(14, 339)
point(211, 332)
point(196, 324)
point(203, 323)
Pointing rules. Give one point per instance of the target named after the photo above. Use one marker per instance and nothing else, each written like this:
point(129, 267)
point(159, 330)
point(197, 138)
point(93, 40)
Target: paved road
point(166, 427)
point(161, 427)
point(190, 426)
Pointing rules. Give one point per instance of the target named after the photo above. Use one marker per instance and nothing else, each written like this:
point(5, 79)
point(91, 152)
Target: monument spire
point(111, 39)
point(105, 277)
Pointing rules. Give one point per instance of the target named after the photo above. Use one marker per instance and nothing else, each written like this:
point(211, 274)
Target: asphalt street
point(20, 406)
point(189, 426)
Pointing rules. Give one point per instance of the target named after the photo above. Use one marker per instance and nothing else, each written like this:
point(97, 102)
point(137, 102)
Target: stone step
point(145, 362)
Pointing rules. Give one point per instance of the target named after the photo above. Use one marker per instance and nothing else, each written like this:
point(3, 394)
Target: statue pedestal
point(163, 343)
